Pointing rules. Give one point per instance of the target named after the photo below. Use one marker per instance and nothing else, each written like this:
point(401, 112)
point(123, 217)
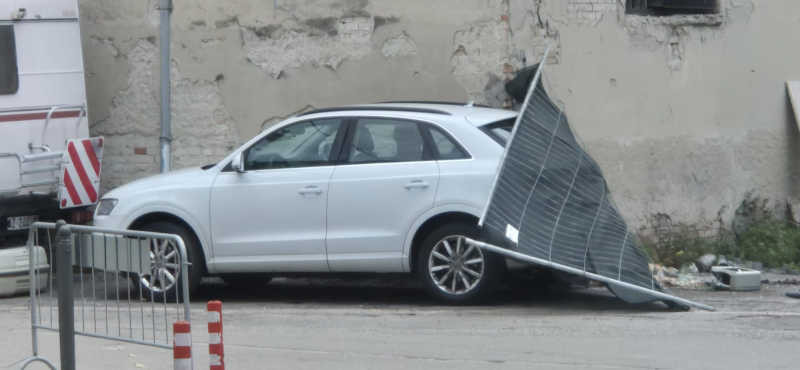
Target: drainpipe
point(165, 9)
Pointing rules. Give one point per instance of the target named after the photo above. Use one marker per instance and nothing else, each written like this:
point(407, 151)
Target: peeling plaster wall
point(241, 66)
point(201, 125)
point(686, 114)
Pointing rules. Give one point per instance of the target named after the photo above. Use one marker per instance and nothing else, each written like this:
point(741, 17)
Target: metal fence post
point(66, 309)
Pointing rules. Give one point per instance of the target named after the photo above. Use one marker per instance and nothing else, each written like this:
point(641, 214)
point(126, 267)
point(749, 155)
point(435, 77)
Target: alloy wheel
point(165, 266)
point(455, 266)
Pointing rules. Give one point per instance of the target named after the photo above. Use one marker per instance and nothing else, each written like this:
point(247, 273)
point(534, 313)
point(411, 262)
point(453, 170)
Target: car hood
point(168, 178)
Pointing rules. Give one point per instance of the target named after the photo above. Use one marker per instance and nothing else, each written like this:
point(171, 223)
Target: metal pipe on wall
point(165, 9)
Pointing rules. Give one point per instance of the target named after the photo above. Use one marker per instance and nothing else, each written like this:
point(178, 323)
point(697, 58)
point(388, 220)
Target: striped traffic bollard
point(216, 353)
point(182, 345)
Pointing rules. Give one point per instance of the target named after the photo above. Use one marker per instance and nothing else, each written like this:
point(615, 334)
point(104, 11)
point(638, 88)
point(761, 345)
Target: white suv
point(382, 188)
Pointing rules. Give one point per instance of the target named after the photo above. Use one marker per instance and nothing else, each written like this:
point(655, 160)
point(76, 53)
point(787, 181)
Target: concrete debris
point(793, 206)
point(788, 270)
point(736, 278)
point(399, 46)
point(689, 281)
point(783, 282)
point(670, 276)
point(753, 265)
point(705, 262)
point(793, 87)
point(348, 38)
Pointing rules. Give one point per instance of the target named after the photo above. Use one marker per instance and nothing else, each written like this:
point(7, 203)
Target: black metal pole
point(66, 308)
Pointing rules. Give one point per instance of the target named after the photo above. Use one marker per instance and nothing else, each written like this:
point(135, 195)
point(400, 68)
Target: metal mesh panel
point(551, 196)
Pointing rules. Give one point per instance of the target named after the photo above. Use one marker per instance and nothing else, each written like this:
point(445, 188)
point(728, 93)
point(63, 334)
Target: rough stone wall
point(241, 66)
point(686, 113)
point(203, 130)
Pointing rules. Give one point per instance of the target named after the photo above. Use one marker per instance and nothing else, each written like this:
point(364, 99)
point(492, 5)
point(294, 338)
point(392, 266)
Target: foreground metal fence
point(99, 290)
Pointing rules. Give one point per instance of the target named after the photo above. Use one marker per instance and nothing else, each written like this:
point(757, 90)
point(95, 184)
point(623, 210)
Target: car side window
point(379, 140)
point(304, 144)
point(445, 146)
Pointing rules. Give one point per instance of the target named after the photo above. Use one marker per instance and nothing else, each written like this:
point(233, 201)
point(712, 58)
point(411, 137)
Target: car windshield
point(500, 131)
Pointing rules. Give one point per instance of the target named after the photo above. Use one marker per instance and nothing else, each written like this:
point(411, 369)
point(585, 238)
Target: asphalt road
point(322, 324)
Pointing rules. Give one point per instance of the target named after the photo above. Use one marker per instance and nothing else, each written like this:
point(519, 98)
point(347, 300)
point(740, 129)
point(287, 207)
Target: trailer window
point(9, 79)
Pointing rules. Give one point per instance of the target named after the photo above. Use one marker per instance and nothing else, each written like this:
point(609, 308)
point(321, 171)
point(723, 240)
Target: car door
point(386, 181)
point(272, 216)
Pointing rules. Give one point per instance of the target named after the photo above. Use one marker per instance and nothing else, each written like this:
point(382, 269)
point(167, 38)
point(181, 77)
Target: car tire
point(469, 278)
point(173, 291)
point(246, 279)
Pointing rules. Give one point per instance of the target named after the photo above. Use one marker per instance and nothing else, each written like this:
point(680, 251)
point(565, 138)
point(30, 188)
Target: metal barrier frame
point(34, 284)
point(544, 263)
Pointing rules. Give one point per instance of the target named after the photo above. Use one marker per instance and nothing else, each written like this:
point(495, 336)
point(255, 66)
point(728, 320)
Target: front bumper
point(110, 221)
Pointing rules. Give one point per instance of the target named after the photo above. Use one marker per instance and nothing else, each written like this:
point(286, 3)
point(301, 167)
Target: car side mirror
point(238, 163)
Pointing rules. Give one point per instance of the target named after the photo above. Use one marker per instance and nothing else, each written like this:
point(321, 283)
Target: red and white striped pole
point(216, 353)
point(182, 345)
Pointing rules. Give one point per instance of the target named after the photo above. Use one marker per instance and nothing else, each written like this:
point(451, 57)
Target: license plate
point(21, 222)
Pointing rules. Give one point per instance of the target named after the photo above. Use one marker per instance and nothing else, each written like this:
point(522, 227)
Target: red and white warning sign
point(80, 172)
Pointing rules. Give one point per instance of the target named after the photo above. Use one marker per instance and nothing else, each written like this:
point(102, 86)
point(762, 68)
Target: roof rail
point(376, 109)
point(435, 102)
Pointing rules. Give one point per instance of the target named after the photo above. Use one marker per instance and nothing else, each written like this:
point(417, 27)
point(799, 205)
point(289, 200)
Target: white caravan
point(43, 108)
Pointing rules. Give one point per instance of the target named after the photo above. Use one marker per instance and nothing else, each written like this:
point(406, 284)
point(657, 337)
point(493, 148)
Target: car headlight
point(105, 206)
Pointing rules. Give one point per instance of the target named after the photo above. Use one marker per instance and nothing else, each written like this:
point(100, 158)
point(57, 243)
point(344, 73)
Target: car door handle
point(311, 190)
point(416, 184)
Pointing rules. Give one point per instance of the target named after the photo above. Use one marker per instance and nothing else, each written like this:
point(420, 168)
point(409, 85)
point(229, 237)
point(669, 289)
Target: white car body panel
point(182, 193)
point(370, 207)
point(285, 229)
point(370, 217)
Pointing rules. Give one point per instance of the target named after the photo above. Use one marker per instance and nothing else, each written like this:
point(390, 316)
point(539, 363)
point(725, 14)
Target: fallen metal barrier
point(540, 262)
point(106, 291)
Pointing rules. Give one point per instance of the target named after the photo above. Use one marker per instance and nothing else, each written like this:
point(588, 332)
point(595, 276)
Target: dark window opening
point(304, 144)
point(9, 78)
point(379, 140)
point(500, 131)
point(671, 7)
point(444, 146)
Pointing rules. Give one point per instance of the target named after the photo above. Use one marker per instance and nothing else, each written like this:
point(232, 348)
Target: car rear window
point(500, 131)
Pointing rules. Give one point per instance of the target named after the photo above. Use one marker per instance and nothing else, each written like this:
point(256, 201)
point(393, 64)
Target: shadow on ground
point(408, 294)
